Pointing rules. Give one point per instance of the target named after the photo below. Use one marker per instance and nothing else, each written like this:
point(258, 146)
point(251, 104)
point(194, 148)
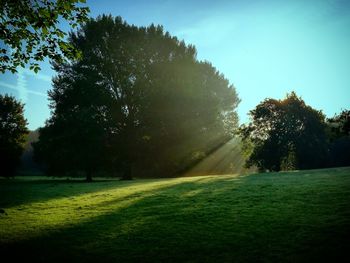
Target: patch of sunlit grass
point(36, 218)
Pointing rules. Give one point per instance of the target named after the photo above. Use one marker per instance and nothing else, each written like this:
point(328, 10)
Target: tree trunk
point(89, 176)
point(127, 173)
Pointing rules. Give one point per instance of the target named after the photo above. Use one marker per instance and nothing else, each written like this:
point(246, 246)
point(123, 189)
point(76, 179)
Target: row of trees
point(288, 134)
point(283, 135)
point(132, 99)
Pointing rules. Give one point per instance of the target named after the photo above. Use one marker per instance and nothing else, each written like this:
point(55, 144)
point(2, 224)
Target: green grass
point(274, 217)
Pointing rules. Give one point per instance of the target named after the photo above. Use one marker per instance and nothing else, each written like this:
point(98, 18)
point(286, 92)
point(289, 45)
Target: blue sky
point(265, 49)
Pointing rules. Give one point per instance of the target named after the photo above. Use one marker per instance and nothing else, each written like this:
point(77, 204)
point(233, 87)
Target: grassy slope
point(296, 216)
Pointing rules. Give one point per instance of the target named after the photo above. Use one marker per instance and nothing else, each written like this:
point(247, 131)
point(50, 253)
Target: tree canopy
point(12, 134)
point(339, 133)
point(29, 31)
point(138, 100)
point(285, 134)
point(340, 124)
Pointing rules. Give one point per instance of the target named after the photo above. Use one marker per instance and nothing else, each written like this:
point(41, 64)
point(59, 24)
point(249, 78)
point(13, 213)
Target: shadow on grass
point(227, 220)
point(14, 192)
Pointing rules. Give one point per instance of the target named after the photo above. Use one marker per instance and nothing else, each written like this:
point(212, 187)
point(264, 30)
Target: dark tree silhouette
point(340, 124)
point(29, 31)
point(12, 134)
point(339, 131)
point(135, 95)
point(285, 134)
point(75, 137)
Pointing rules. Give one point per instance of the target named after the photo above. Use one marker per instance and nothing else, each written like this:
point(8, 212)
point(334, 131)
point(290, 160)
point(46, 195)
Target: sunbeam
point(227, 159)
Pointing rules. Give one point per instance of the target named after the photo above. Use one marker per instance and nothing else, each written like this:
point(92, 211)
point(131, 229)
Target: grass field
point(274, 217)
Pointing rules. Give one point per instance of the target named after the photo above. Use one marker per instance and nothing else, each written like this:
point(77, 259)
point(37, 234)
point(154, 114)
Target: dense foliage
point(29, 31)
point(138, 101)
point(285, 134)
point(12, 134)
point(339, 131)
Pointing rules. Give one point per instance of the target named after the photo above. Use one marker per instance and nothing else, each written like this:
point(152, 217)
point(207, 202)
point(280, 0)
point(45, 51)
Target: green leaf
point(36, 69)
point(44, 30)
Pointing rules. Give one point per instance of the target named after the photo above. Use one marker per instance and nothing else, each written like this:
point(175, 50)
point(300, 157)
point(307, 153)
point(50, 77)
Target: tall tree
point(147, 92)
point(285, 134)
point(12, 134)
point(29, 31)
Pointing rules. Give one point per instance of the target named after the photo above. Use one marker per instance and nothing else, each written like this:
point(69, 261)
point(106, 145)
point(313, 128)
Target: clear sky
point(265, 48)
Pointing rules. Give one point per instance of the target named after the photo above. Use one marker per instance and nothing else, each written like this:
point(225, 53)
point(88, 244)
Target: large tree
point(12, 134)
point(285, 134)
point(29, 31)
point(142, 93)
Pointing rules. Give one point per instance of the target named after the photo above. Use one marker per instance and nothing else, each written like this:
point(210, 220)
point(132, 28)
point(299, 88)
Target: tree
point(339, 135)
point(285, 134)
point(340, 124)
point(12, 134)
point(142, 93)
point(29, 31)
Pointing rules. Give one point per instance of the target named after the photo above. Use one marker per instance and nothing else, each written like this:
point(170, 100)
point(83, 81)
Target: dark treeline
point(288, 134)
point(137, 102)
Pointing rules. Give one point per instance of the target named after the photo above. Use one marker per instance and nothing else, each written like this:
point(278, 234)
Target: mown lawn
point(274, 217)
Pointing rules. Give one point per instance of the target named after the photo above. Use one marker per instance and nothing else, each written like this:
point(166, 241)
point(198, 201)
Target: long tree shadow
point(230, 220)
